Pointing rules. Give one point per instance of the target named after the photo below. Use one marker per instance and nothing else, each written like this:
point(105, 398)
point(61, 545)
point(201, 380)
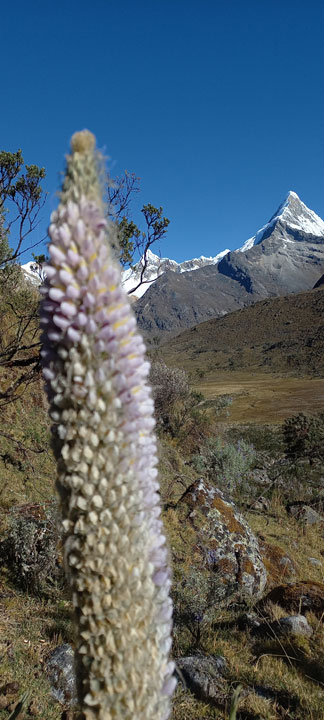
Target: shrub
point(30, 549)
point(170, 386)
point(265, 439)
point(196, 596)
point(180, 412)
point(304, 437)
point(225, 464)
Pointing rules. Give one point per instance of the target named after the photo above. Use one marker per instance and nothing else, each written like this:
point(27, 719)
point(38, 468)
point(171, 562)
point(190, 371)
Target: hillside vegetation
point(262, 466)
point(282, 334)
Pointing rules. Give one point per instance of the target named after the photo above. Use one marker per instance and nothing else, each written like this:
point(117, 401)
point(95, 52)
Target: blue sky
point(217, 106)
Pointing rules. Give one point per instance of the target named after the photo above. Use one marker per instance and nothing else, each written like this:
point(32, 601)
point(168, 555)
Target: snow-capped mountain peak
point(33, 272)
point(291, 222)
point(299, 217)
point(294, 214)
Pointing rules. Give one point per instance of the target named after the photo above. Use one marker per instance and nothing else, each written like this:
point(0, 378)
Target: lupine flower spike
point(96, 377)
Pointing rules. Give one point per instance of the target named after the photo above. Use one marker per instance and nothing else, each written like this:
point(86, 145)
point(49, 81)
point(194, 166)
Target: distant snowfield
point(292, 212)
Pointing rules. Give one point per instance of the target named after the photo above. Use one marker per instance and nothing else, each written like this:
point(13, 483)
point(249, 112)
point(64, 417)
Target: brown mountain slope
point(283, 334)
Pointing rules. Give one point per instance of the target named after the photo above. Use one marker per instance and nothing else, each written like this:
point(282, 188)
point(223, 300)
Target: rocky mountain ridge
point(285, 256)
point(156, 266)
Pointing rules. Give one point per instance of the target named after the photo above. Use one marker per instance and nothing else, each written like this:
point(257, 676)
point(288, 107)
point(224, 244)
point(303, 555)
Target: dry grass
point(300, 541)
point(29, 631)
point(263, 398)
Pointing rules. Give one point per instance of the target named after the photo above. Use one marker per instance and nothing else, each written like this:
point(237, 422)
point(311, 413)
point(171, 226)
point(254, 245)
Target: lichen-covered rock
point(222, 541)
point(204, 676)
point(61, 672)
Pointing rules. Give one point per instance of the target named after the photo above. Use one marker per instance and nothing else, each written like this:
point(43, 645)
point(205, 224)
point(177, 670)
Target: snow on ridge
point(33, 272)
point(156, 266)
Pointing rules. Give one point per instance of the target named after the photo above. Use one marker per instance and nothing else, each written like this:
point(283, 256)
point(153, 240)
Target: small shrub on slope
point(30, 550)
point(170, 386)
point(180, 412)
point(227, 465)
point(304, 437)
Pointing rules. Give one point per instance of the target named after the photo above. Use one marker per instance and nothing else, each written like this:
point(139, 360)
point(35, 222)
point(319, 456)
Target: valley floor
point(263, 397)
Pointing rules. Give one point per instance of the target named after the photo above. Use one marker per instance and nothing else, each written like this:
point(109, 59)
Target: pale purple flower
point(96, 375)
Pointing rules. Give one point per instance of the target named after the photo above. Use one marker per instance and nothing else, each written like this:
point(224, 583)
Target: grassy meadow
point(263, 398)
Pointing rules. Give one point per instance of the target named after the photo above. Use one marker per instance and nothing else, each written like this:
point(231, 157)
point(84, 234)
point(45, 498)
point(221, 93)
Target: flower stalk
point(103, 437)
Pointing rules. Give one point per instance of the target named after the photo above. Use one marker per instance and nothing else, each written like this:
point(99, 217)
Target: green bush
point(196, 597)
point(30, 549)
point(266, 439)
point(304, 437)
point(225, 464)
point(180, 412)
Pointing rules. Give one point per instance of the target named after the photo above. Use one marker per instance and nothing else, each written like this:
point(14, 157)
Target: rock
point(261, 504)
point(315, 562)
point(60, 668)
point(204, 676)
point(278, 563)
point(291, 625)
point(305, 514)
point(249, 621)
point(259, 476)
point(295, 625)
point(221, 541)
point(10, 688)
point(298, 597)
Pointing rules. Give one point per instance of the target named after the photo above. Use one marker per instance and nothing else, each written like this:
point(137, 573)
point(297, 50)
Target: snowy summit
point(292, 213)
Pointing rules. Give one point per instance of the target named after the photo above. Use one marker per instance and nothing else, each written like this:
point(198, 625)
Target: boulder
point(259, 476)
point(305, 514)
point(204, 676)
point(291, 625)
point(262, 504)
point(221, 541)
point(298, 597)
point(249, 621)
point(295, 625)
